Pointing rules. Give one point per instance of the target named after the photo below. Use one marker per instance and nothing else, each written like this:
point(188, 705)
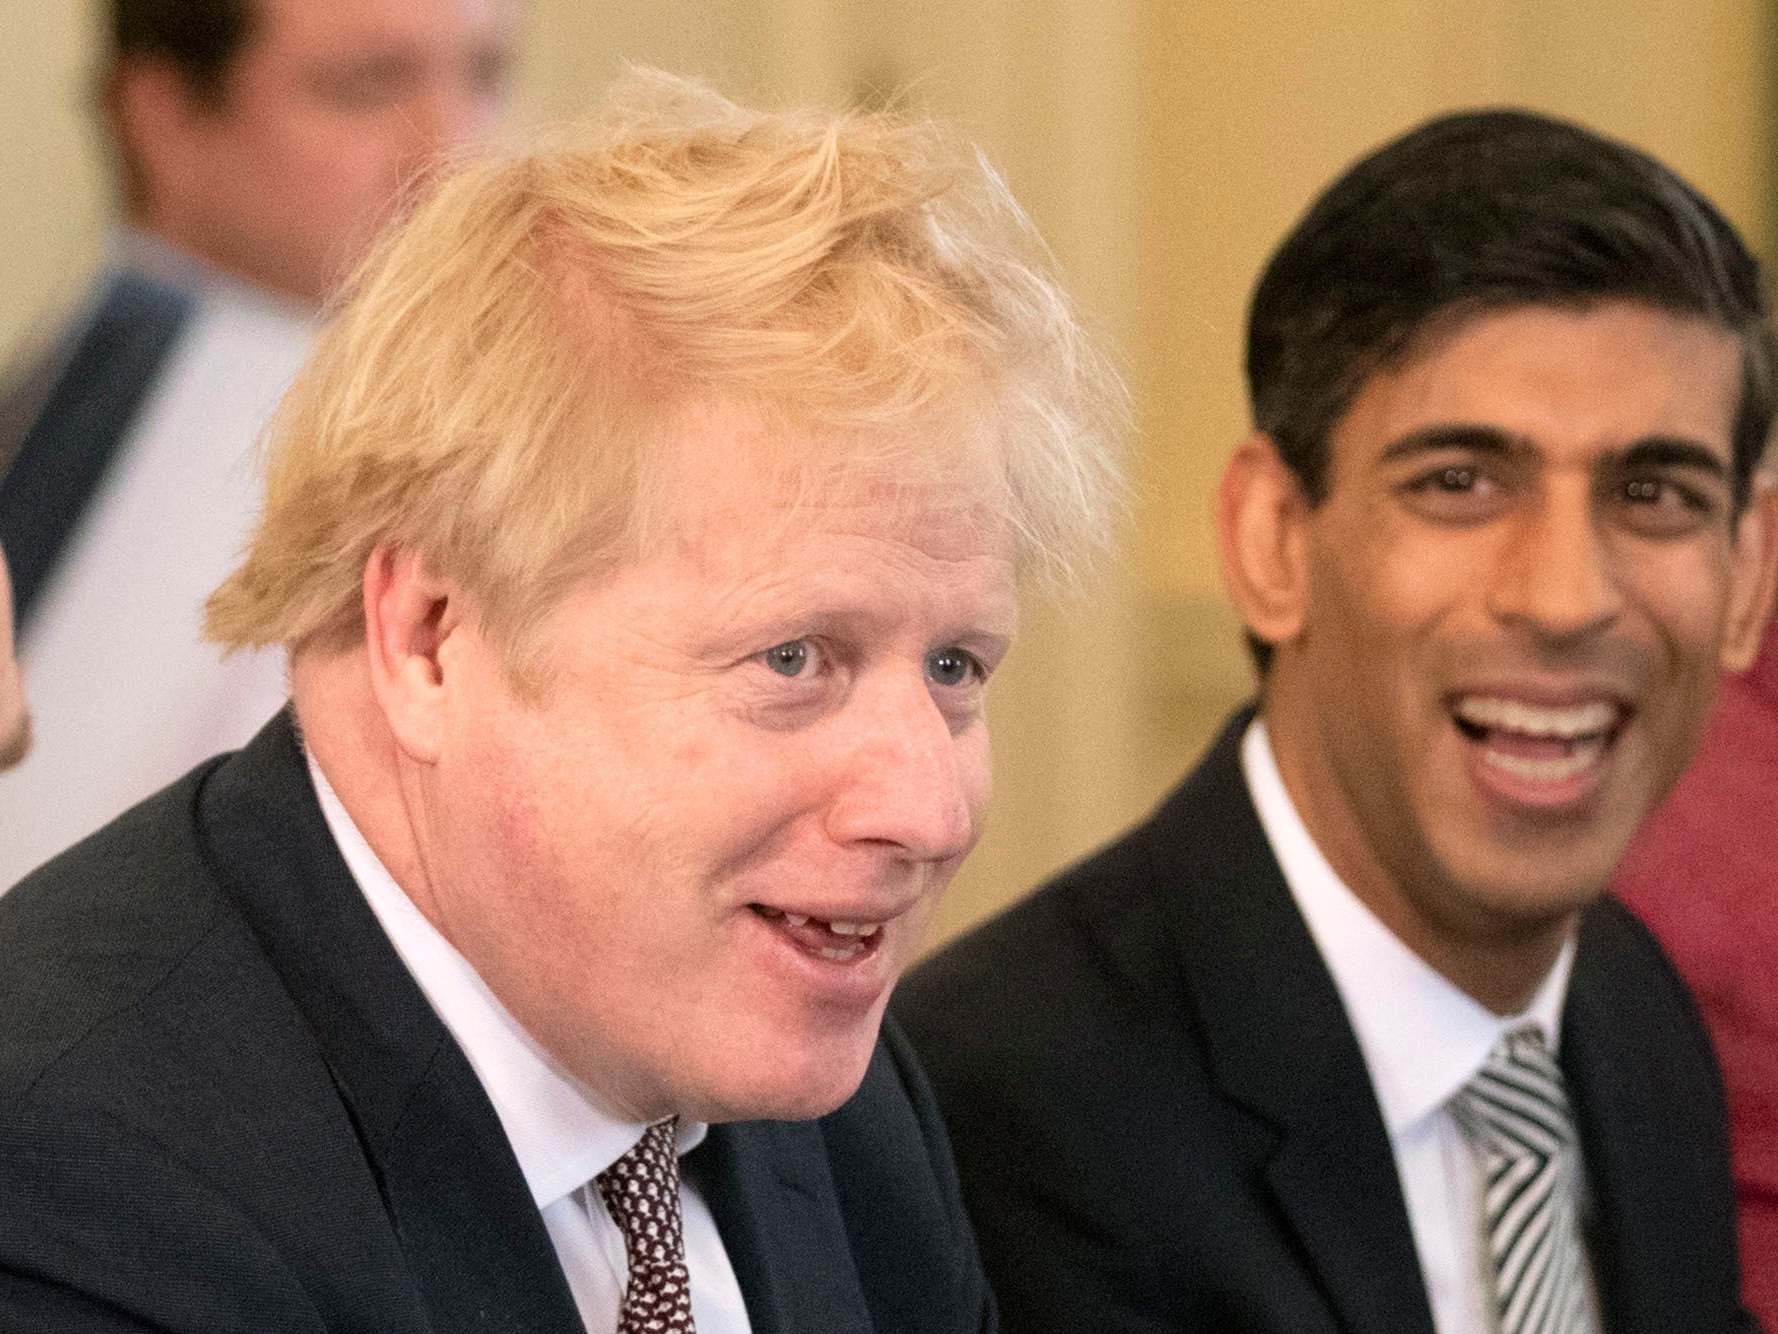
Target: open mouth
point(834, 941)
point(1539, 744)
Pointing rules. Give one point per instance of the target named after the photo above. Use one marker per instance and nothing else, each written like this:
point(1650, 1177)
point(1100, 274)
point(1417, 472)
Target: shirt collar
point(1422, 1037)
point(561, 1133)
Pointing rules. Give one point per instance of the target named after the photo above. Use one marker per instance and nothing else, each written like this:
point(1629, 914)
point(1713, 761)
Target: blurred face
point(1518, 595)
point(330, 109)
point(697, 866)
point(14, 734)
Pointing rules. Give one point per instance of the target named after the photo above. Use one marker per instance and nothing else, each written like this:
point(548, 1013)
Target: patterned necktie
point(1515, 1112)
point(641, 1190)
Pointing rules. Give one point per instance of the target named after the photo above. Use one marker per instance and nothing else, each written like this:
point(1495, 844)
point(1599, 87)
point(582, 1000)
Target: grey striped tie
point(1515, 1112)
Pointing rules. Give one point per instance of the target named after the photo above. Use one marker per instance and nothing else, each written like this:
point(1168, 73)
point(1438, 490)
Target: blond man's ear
point(1261, 515)
point(410, 615)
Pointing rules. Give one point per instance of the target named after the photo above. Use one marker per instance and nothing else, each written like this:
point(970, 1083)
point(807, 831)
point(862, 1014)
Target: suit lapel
point(1649, 1214)
point(772, 1195)
point(475, 1242)
point(1280, 1045)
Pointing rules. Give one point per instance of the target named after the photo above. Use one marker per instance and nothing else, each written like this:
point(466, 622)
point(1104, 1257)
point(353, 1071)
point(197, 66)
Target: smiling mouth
point(1539, 745)
point(834, 941)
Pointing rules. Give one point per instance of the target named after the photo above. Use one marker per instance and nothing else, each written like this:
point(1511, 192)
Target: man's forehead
point(337, 28)
point(1534, 374)
point(713, 457)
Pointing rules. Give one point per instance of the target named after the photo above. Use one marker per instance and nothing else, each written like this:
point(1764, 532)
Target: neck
point(1496, 956)
point(189, 259)
point(345, 733)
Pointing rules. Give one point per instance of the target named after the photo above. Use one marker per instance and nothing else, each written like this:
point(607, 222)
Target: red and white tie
point(641, 1190)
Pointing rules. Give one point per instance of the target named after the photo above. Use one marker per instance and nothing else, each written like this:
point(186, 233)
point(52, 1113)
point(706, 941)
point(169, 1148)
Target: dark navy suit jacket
point(1164, 1122)
point(226, 1106)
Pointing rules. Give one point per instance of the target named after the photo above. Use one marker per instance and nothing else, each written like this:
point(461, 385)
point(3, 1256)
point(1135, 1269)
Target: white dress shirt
point(1422, 1039)
point(560, 1133)
point(125, 695)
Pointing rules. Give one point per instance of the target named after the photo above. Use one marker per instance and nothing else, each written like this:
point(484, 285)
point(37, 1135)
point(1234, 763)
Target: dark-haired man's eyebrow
point(1474, 439)
point(1662, 451)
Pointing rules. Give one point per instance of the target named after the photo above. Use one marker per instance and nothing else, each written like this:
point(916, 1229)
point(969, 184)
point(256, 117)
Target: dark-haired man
point(1343, 1038)
point(259, 143)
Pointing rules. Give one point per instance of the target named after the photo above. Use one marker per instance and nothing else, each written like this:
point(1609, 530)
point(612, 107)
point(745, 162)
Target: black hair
point(1476, 212)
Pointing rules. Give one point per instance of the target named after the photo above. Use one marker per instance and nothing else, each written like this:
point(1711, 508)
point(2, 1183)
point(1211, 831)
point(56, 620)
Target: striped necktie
point(641, 1190)
point(1514, 1112)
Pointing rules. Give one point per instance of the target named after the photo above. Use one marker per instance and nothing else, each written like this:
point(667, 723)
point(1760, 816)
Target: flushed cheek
point(976, 769)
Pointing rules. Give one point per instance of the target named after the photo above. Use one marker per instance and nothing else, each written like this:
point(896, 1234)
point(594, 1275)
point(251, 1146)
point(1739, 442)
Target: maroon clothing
point(1703, 873)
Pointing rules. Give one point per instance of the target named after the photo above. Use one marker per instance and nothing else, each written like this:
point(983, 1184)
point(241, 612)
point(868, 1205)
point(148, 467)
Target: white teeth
point(1582, 756)
point(1513, 715)
point(842, 953)
point(861, 930)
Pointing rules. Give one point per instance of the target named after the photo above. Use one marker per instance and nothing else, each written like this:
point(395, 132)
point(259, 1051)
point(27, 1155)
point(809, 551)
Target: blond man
point(643, 533)
point(260, 144)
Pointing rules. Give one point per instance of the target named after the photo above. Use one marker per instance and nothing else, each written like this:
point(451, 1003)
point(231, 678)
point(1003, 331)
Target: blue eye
point(789, 659)
point(952, 666)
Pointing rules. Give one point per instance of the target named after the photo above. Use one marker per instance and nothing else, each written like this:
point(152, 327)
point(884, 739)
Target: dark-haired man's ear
point(1261, 516)
point(1754, 586)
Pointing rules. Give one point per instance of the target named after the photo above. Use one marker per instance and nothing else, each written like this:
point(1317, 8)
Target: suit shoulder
point(1090, 934)
point(1096, 932)
point(90, 935)
point(1624, 978)
point(1615, 942)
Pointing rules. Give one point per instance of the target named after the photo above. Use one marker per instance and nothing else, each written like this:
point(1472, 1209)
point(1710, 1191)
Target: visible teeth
point(841, 953)
point(861, 930)
point(1554, 770)
point(1513, 715)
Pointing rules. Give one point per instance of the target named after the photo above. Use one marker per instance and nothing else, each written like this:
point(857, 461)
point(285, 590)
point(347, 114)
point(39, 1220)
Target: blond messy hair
point(498, 375)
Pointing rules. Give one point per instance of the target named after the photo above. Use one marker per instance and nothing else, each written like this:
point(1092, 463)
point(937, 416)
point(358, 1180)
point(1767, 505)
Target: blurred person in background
point(1703, 873)
point(258, 145)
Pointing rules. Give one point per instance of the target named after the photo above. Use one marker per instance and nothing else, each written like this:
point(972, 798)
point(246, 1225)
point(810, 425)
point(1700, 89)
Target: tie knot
point(1516, 1105)
point(641, 1189)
